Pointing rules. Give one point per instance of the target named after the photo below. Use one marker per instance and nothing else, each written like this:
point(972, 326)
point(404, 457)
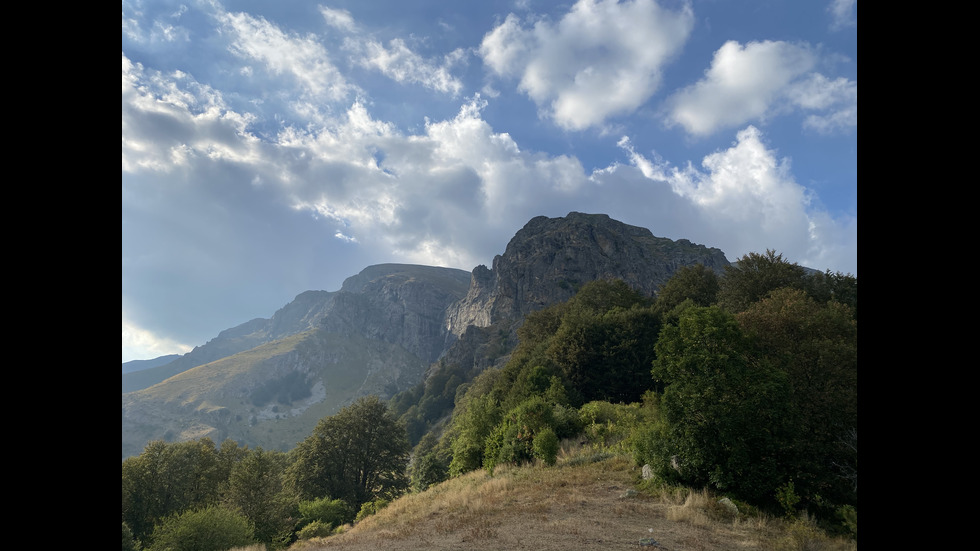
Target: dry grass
point(577, 504)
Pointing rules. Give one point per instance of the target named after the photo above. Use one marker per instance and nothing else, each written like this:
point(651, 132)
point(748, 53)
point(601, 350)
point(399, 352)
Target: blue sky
point(269, 148)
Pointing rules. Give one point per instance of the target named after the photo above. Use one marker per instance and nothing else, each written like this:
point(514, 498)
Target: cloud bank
point(266, 168)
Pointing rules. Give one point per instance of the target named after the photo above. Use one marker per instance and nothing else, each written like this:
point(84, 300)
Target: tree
point(815, 346)
point(827, 286)
point(255, 488)
point(209, 529)
point(169, 478)
point(357, 455)
point(606, 356)
point(698, 283)
point(754, 276)
point(722, 411)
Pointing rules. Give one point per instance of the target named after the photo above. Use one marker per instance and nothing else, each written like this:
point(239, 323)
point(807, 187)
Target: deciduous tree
point(357, 455)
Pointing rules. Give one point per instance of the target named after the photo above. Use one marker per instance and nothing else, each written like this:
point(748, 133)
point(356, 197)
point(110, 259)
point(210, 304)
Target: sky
point(270, 148)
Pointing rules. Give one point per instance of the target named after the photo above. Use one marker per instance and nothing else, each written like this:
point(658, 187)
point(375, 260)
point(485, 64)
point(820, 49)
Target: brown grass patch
point(581, 504)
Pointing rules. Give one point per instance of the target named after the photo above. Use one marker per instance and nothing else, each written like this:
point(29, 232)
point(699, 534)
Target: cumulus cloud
point(746, 196)
point(760, 80)
point(233, 221)
point(843, 14)
point(169, 118)
point(603, 58)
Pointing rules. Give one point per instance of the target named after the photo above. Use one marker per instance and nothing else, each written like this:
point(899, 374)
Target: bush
point(849, 518)
point(315, 529)
point(370, 508)
point(546, 446)
point(209, 529)
point(330, 512)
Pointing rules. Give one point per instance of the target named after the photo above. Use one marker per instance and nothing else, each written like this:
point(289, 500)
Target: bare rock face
point(550, 258)
point(398, 304)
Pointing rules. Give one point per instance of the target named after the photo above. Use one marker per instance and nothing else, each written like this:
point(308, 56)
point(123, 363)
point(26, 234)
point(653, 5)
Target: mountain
point(139, 365)
point(268, 381)
point(550, 258)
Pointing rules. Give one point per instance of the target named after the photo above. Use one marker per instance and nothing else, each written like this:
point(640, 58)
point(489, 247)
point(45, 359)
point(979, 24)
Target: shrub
point(315, 529)
point(370, 508)
point(546, 446)
point(849, 518)
point(209, 529)
point(329, 512)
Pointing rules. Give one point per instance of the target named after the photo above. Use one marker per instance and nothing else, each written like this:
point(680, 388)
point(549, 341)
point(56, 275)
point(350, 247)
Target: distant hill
point(268, 381)
point(139, 365)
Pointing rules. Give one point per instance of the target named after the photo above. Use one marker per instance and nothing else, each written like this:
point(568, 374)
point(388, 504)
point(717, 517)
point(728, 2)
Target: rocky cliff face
point(399, 304)
point(550, 258)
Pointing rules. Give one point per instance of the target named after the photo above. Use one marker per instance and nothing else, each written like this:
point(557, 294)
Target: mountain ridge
point(385, 329)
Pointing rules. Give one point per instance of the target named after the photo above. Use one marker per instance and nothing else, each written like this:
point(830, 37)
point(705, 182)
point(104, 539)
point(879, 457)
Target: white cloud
point(835, 101)
point(843, 14)
point(744, 83)
point(168, 119)
point(748, 200)
point(340, 19)
point(396, 61)
point(138, 343)
point(303, 58)
point(272, 215)
point(602, 59)
point(401, 64)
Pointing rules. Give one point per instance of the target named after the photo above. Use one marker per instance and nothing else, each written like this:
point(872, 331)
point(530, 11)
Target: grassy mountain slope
point(270, 396)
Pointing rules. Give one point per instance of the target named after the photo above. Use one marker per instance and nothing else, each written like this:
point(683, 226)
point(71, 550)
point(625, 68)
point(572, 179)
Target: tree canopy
point(357, 455)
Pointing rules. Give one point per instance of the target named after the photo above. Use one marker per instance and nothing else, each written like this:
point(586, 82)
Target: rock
point(729, 505)
point(647, 472)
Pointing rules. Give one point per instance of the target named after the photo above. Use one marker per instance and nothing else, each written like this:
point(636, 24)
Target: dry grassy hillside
point(579, 504)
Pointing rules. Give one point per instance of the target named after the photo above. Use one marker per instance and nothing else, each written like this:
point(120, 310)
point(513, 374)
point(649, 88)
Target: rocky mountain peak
point(550, 258)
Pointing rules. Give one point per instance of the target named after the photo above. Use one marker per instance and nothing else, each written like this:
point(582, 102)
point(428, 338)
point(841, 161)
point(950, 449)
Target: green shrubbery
point(326, 511)
point(209, 529)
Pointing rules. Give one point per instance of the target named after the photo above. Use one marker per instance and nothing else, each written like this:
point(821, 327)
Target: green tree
point(607, 355)
point(512, 441)
point(255, 488)
point(722, 412)
point(697, 283)
point(168, 478)
point(833, 286)
point(128, 542)
point(211, 528)
point(477, 412)
point(430, 463)
point(357, 455)
point(815, 346)
point(754, 276)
